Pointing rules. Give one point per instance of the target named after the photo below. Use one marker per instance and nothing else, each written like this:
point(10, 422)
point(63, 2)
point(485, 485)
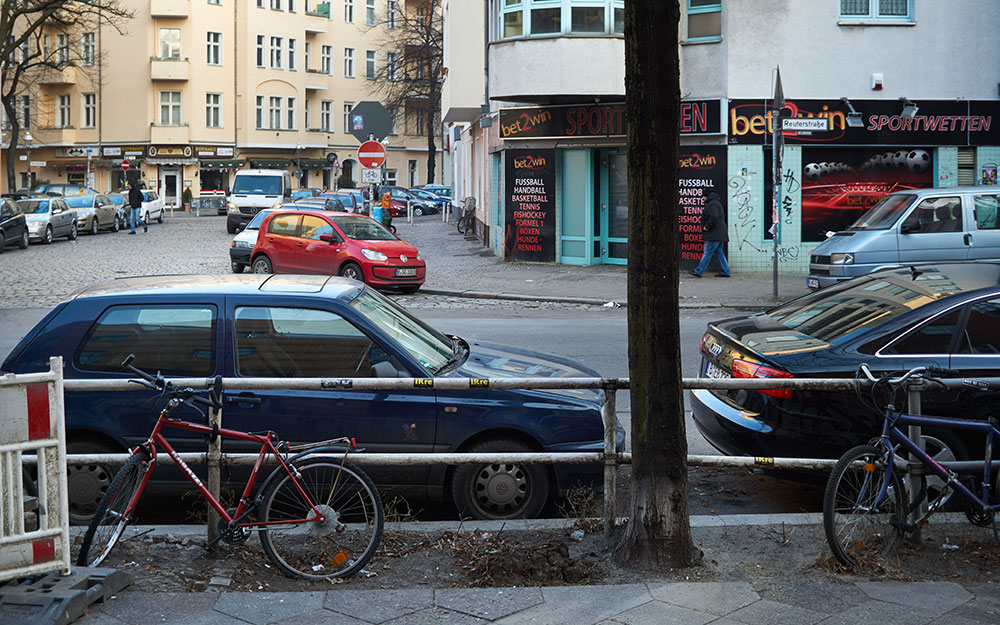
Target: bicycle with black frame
point(467, 220)
point(866, 507)
point(317, 515)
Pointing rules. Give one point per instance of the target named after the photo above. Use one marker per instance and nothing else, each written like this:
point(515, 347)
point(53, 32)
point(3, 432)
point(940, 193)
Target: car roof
point(330, 287)
point(940, 191)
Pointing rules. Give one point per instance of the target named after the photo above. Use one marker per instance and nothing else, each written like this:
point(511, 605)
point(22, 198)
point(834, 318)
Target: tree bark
point(431, 147)
point(658, 533)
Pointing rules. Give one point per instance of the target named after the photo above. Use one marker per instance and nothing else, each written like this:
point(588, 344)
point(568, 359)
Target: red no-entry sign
point(371, 154)
point(124, 164)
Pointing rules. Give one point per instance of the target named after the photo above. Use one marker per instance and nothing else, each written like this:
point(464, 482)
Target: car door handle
point(968, 238)
point(243, 399)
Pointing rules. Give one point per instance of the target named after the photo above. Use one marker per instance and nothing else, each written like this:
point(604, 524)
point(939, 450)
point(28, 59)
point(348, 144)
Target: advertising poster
point(840, 184)
point(530, 184)
point(702, 170)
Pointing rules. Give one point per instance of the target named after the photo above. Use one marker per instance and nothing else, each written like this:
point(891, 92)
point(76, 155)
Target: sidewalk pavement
point(462, 267)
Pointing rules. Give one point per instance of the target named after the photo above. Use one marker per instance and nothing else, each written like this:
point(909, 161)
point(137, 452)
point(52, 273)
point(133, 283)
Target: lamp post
point(298, 162)
point(27, 144)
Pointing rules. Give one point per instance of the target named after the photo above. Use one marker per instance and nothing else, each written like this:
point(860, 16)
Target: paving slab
point(268, 607)
point(378, 606)
point(933, 597)
point(718, 598)
point(322, 617)
point(880, 612)
point(488, 603)
point(156, 608)
point(435, 616)
point(829, 598)
point(766, 612)
point(660, 613)
point(581, 605)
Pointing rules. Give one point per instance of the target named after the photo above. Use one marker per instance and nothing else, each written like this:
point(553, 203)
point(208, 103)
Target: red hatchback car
point(346, 244)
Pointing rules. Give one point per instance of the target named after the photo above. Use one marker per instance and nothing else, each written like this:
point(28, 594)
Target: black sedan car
point(892, 320)
point(13, 228)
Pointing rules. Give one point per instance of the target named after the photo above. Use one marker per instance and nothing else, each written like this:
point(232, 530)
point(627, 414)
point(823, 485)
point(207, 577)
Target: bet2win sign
point(702, 169)
point(530, 231)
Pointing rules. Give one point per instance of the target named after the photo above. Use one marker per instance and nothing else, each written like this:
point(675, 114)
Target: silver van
point(942, 225)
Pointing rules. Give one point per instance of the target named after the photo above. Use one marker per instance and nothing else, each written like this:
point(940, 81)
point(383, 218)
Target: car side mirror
point(384, 369)
point(329, 238)
point(909, 228)
point(241, 227)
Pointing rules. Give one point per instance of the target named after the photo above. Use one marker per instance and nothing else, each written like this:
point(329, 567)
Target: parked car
point(437, 189)
point(334, 244)
point(439, 202)
point(404, 196)
point(63, 190)
point(301, 194)
point(13, 227)
point(16, 195)
point(945, 224)
point(362, 205)
point(48, 218)
point(347, 200)
point(945, 315)
point(120, 200)
point(313, 326)
point(152, 208)
point(321, 202)
point(245, 240)
point(94, 213)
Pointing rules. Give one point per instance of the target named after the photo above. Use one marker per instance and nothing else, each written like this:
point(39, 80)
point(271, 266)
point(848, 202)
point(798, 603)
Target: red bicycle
point(318, 517)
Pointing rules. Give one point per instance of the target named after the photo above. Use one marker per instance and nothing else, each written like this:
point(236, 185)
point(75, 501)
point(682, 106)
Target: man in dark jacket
point(715, 233)
point(135, 202)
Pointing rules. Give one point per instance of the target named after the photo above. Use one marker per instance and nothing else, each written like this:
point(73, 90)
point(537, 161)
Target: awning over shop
point(168, 160)
point(313, 163)
point(220, 164)
point(270, 163)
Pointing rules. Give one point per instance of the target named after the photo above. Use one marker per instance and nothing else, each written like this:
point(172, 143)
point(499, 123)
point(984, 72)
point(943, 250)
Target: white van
point(253, 190)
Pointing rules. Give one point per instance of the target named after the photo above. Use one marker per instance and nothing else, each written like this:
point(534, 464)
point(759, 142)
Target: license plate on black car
point(406, 273)
point(715, 371)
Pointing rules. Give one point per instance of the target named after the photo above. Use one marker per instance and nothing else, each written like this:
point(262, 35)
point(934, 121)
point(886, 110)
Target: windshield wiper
point(459, 352)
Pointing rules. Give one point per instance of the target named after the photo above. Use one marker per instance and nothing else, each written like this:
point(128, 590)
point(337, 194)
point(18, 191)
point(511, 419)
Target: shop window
point(704, 20)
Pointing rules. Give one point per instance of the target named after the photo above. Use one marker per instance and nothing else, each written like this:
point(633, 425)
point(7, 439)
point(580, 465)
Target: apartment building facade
point(909, 102)
point(196, 89)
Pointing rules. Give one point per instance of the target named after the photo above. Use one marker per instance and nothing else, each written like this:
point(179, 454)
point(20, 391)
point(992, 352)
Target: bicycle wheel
point(463, 224)
point(859, 526)
point(115, 510)
point(338, 546)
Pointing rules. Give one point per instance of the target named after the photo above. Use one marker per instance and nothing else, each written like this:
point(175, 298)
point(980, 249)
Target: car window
point(985, 211)
point(274, 341)
point(175, 340)
point(6, 208)
point(424, 344)
point(257, 220)
point(363, 229)
point(934, 337)
point(314, 227)
point(80, 201)
point(937, 214)
point(982, 329)
point(34, 206)
point(151, 196)
point(287, 225)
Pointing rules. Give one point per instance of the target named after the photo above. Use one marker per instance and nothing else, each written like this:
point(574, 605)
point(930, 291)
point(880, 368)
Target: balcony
point(169, 69)
point(168, 8)
point(175, 135)
point(54, 135)
point(57, 76)
point(533, 70)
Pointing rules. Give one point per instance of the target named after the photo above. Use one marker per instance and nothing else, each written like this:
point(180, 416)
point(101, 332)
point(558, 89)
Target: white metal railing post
point(409, 212)
point(608, 415)
point(214, 470)
point(913, 431)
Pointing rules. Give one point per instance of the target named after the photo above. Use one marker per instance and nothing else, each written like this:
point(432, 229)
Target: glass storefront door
point(614, 207)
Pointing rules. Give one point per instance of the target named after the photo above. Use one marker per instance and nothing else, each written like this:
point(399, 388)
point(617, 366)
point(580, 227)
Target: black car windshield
point(883, 215)
point(33, 206)
point(362, 228)
point(426, 345)
point(265, 185)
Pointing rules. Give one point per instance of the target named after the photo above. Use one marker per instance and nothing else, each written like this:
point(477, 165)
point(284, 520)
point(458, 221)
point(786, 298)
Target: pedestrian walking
point(135, 202)
point(715, 233)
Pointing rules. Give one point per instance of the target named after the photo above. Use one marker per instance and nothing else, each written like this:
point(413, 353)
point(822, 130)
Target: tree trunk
point(15, 135)
point(431, 147)
point(658, 533)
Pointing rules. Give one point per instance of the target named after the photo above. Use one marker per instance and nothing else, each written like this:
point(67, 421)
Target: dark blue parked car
point(314, 326)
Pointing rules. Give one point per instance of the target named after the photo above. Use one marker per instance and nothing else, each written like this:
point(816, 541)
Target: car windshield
point(117, 200)
point(265, 185)
point(33, 206)
point(346, 198)
point(80, 201)
point(257, 220)
point(426, 345)
point(424, 194)
point(883, 215)
point(362, 228)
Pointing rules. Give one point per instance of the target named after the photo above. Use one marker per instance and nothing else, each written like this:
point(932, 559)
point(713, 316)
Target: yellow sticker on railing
point(423, 382)
point(762, 460)
point(478, 383)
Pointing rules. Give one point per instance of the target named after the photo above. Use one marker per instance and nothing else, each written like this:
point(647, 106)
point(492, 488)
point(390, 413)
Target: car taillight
point(701, 348)
point(745, 369)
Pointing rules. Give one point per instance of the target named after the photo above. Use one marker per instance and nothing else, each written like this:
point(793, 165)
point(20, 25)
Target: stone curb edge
point(590, 301)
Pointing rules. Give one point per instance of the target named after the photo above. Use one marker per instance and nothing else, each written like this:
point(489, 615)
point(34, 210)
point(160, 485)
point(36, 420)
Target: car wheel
point(3, 241)
point(145, 218)
point(23, 243)
point(237, 267)
point(87, 483)
point(72, 232)
point(159, 218)
point(417, 211)
point(47, 237)
point(116, 225)
point(95, 226)
point(262, 264)
point(942, 446)
point(501, 490)
point(352, 271)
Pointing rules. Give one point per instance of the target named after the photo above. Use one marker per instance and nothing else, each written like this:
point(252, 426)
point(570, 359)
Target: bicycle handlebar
point(187, 395)
point(931, 372)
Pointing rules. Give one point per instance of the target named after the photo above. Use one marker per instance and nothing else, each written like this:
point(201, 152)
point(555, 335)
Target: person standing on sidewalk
point(135, 202)
point(715, 233)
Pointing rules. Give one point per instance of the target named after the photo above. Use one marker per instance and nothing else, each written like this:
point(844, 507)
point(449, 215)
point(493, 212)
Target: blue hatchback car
point(314, 326)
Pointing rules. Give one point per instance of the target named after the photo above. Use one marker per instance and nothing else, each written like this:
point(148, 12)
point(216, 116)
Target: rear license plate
point(812, 283)
point(715, 371)
point(406, 273)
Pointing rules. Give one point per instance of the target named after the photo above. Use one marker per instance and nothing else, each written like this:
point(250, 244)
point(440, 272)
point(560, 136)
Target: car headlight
point(420, 256)
point(232, 208)
point(841, 259)
point(241, 244)
point(373, 254)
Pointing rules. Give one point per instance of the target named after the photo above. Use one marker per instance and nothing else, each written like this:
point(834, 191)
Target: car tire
point(87, 483)
point(3, 242)
point(95, 226)
point(944, 446)
point(262, 264)
point(417, 211)
point(352, 271)
point(72, 232)
point(159, 218)
point(237, 267)
point(47, 237)
point(116, 225)
point(503, 490)
point(145, 218)
point(23, 243)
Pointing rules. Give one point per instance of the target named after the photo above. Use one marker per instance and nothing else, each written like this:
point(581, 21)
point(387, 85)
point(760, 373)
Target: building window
point(291, 6)
point(170, 108)
point(274, 113)
point(25, 111)
point(291, 54)
point(46, 48)
point(62, 49)
point(391, 73)
point(546, 20)
point(370, 64)
point(393, 117)
point(370, 12)
point(170, 44)
point(309, 52)
point(260, 50)
point(260, 4)
point(348, 107)
point(419, 125)
point(326, 115)
point(308, 115)
point(586, 19)
point(390, 177)
point(704, 20)
point(213, 110)
point(349, 11)
point(520, 18)
point(276, 5)
point(876, 10)
point(63, 112)
point(88, 53)
point(216, 2)
point(213, 49)
point(326, 60)
point(260, 112)
point(411, 171)
point(348, 62)
point(290, 110)
point(390, 13)
point(276, 43)
point(89, 110)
